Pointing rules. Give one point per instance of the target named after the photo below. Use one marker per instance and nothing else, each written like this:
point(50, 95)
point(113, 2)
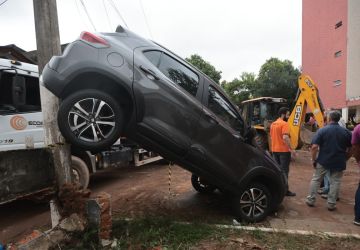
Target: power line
point(118, 12)
point(87, 13)
point(107, 14)
point(78, 10)
point(3, 2)
point(146, 21)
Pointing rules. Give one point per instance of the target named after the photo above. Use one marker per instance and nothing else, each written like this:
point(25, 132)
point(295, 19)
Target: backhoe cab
point(261, 112)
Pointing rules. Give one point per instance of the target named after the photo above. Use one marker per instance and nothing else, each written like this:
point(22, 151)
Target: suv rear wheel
point(90, 119)
point(201, 185)
point(254, 203)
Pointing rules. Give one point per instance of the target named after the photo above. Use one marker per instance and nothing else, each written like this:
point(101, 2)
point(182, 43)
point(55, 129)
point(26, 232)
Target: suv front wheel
point(254, 203)
point(90, 119)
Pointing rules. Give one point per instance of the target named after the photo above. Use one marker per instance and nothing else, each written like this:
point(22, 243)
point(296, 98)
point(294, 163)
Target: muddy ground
point(139, 191)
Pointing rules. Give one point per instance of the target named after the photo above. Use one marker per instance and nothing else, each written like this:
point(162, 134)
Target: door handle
point(211, 118)
point(149, 72)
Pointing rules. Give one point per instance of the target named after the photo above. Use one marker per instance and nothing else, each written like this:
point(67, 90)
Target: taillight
point(94, 39)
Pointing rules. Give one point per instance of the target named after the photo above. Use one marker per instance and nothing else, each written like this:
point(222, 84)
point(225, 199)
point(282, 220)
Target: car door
point(166, 91)
point(224, 156)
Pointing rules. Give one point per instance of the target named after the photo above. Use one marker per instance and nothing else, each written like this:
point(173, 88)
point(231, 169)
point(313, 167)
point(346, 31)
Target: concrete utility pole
point(48, 44)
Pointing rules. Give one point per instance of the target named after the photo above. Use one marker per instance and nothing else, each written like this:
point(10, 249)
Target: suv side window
point(179, 74)
point(222, 108)
point(174, 70)
point(153, 56)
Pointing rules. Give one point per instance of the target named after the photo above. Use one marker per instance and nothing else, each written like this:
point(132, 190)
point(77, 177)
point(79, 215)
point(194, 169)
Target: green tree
point(205, 67)
point(277, 79)
point(241, 89)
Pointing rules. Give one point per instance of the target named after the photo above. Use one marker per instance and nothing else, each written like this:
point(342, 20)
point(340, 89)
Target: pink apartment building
point(331, 52)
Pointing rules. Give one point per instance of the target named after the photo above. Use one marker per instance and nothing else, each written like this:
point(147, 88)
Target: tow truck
point(261, 112)
point(25, 165)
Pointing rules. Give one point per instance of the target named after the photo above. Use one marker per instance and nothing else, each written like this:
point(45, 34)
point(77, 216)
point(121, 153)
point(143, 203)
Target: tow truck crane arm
point(307, 97)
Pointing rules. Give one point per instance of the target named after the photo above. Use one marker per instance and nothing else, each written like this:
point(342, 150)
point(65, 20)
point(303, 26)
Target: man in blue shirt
point(333, 143)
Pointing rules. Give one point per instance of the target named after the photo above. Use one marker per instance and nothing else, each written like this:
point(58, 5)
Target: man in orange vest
point(280, 142)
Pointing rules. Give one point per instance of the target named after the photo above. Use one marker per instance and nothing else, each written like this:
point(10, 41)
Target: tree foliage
point(241, 89)
point(278, 79)
point(205, 67)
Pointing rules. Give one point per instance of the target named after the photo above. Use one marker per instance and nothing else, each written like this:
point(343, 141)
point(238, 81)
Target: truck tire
point(260, 141)
point(79, 172)
point(90, 119)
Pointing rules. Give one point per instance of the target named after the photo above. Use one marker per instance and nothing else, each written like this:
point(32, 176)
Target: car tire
point(79, 172)
point(201, 185)
point(91, 120)
point(254, 203)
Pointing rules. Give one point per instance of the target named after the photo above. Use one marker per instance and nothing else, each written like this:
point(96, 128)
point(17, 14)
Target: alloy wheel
point(253, 202)
point(91, 120)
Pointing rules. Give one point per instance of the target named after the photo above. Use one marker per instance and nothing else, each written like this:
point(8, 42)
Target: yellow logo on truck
point(18, 122)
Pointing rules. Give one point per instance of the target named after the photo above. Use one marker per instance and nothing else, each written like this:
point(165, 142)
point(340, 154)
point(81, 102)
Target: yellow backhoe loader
point(261, 112)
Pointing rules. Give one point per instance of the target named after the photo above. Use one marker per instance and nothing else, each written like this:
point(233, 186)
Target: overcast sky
point(233, 35)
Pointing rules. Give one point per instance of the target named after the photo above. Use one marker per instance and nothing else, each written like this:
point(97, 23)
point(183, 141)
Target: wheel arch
point(107, 83)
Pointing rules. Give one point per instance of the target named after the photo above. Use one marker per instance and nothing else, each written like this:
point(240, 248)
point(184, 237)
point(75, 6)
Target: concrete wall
point(320, 42)
point(353, 58)
point(24, 172)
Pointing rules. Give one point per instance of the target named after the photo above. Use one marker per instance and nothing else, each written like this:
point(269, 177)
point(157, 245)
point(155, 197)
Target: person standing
point(332, 144)
point(355, 141)
point(325, 190)
point(280, 142)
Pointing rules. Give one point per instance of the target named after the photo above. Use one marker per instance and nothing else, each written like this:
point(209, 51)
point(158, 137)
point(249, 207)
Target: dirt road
point(145, 191)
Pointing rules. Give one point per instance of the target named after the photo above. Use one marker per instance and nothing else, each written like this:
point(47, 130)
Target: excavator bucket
point(306, 135)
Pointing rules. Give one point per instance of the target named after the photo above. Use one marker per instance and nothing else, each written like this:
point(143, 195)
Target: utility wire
point(107, 14)
point(146, 21)
point(81, 16)
point(3, 2)
point(118, 12)
point(87, 13)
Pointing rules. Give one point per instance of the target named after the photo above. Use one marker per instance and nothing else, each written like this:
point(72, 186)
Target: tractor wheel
point(260, 141)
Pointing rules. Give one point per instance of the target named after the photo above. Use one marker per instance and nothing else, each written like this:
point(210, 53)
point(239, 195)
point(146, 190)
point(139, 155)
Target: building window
point(338, 53)
point(337, 82)
point(338, 24)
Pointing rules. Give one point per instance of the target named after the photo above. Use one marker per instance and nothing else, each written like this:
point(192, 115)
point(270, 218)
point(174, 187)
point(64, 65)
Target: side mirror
point(7, 109)
point(18, 90)
point(249, 134)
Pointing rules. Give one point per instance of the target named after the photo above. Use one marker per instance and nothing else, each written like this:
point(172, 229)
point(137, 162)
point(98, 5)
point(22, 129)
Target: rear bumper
point(52, 81)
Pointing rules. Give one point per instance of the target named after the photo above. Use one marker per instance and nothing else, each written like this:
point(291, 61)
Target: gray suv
point(120, 84)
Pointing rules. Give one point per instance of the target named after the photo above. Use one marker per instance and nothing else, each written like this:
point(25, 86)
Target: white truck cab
point(21, 121)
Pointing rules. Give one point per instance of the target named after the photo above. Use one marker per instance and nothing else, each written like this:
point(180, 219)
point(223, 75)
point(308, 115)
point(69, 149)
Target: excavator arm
point(307, 98)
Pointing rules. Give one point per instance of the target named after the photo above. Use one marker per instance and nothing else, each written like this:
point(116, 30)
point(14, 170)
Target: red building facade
point(324, 51)
point(331, 52)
